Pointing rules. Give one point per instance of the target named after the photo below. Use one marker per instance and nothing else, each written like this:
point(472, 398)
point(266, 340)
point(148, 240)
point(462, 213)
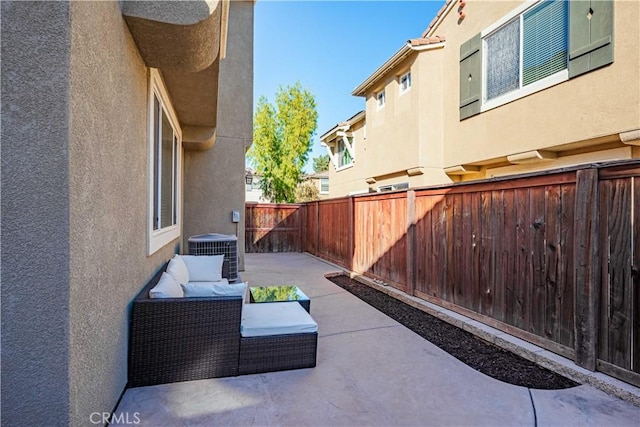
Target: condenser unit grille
point(218, 244)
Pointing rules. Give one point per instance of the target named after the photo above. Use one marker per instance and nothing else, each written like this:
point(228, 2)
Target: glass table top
point(277, 293)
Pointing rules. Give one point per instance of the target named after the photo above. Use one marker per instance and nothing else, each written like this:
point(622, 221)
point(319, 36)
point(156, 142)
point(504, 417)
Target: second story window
point(344, 157)
point(529, 48)
point(380, 99)
point(405, 82)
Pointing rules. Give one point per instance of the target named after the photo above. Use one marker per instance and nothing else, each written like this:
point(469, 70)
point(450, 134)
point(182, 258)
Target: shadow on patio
point(370, 371)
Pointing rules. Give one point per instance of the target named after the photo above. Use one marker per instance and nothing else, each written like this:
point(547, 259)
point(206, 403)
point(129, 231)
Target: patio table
point(282, 293)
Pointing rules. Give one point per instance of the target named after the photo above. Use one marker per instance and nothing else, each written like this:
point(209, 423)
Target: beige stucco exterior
point(418, 137)
point(580, 119)
point(75, 179)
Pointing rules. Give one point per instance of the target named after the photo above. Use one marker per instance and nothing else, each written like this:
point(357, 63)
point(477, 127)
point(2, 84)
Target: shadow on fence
point(551, 257)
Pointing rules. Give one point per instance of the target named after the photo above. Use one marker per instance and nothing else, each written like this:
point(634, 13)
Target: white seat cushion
point(167, 287)
point(276, 318)
point(204, 268)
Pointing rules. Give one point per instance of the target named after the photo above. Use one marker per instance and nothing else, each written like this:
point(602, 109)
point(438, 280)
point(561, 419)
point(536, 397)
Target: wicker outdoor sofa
point(184, 339)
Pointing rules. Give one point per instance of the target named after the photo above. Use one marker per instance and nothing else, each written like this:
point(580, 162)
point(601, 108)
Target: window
point(380, 99)
point(405, 82)
point(393, 187)
point(165, 157)
point(529, 48)
point(324, 185)
point(526, 51)
point(344, 156)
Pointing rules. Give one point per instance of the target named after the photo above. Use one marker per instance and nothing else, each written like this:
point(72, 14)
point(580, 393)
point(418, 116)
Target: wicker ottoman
point(277, 337)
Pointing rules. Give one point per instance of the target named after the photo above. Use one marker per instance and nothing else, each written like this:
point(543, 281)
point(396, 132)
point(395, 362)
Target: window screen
point(503, 60)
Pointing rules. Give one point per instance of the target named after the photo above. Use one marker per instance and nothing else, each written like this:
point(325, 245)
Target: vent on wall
point(218, 244)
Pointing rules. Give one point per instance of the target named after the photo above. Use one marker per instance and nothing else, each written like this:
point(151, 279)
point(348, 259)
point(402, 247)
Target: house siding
point(579, 121)
point(75, 176)
point(108, 157)
point(35, 213)
point(590, 109)
point(207, 177)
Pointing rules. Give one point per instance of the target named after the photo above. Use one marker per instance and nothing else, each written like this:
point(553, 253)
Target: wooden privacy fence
point(551, 257)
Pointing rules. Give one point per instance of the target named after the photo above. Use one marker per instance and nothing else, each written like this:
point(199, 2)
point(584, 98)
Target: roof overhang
point(413, 45)
point(342, 126)
point(184, 40)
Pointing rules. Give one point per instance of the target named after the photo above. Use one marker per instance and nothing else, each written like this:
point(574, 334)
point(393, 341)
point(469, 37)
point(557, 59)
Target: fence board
point(616, 338)
point(566, 286)
point(635, 271)
point(487, 255)
point(522, 273)
point(272, 228)
point(537, 289)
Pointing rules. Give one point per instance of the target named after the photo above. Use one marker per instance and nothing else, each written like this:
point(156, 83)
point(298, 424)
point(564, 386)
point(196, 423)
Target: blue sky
point(330, 47)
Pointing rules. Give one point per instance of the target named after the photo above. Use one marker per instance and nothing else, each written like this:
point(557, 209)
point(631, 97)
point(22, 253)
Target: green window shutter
point(590, 35)
point(470, 77)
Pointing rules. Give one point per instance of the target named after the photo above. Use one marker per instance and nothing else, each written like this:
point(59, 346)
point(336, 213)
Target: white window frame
point(381, 99)
point(339, 141)
point(552, 80)
point(406, 75)
point(156, 239)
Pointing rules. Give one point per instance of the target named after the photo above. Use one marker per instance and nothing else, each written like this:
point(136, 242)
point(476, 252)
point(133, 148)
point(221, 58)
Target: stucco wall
point(214, 179)
point(35, 213)
point(393, 129)
point(108, 203)
point(599, 103)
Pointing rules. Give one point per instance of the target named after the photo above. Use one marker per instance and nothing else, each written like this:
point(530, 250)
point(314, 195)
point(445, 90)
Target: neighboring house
point(497, 88)
point(124, 132)
point(321, 182)
point(252, 190)
point(345, 144)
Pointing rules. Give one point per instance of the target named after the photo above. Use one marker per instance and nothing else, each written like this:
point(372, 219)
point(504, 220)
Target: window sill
point(341, 168)
point(160, 238)
point(545, 83)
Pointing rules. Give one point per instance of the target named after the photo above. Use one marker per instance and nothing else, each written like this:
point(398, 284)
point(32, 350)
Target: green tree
point(282, 140)
point(321, 163)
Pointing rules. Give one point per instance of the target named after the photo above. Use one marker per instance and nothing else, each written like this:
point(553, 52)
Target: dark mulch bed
point(466, 347)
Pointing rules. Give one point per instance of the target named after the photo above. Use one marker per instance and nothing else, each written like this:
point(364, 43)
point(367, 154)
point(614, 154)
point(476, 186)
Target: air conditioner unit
point(218, 244)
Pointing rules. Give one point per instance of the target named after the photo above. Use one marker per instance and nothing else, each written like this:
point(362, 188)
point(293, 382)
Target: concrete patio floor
point(371, 371)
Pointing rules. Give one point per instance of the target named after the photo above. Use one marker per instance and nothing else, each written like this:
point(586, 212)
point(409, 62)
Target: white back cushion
point(178, 269)
point(167, 287)
point(203, 268)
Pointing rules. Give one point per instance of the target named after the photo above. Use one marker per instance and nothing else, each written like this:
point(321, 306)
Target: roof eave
point(392, 62)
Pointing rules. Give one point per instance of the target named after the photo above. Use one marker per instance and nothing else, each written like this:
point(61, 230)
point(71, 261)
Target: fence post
point(317, 229)
point(586, 268)
point(351, 232)
point(411, 240)
point(302, 217)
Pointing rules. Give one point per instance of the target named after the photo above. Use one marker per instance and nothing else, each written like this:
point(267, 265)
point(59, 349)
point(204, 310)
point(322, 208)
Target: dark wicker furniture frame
point(185, 339)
